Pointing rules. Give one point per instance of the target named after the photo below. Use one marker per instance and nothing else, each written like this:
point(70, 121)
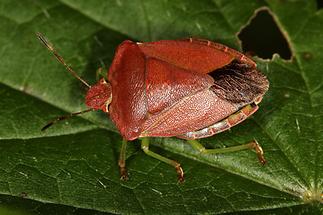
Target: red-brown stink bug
point(189, 89)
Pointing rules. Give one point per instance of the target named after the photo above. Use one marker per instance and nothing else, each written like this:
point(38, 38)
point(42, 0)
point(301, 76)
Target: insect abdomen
point(222, 125)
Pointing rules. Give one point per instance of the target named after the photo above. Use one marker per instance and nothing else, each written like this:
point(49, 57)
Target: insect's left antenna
point(51, 48)
point(49, 124)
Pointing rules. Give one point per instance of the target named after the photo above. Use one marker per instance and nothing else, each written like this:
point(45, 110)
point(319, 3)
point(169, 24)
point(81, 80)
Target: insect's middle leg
point(145, 148)
point(252, 145)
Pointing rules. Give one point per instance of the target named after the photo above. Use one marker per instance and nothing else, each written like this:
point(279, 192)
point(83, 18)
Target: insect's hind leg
point(145, 148)
point(224, 125)
point(252, 145)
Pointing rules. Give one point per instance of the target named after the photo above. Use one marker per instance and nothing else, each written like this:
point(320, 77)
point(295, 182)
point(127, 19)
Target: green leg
point(122, 161)
point(100, 73)
point(252, 145)
point(145, 148)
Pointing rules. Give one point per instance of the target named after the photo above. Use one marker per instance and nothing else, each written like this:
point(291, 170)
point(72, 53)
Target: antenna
point(65, 117)
point(51, 48)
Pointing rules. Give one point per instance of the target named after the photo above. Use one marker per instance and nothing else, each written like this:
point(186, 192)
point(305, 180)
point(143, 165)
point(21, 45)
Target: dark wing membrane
point(239, 83)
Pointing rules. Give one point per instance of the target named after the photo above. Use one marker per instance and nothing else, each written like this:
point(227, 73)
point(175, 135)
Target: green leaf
point(74, 163)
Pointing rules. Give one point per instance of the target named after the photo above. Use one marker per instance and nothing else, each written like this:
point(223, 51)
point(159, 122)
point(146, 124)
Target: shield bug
point(189, 89)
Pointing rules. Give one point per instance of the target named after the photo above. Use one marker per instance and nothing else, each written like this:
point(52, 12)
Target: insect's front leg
point(122, 161)
point(99, 74)
point(252, 145)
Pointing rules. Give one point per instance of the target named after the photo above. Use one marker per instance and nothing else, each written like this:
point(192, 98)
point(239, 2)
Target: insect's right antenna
point(51, 48)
